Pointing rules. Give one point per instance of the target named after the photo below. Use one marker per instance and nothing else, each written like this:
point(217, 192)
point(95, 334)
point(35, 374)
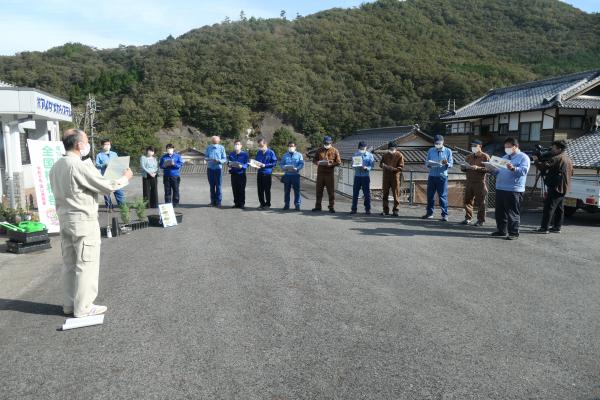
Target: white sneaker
point(94, 310)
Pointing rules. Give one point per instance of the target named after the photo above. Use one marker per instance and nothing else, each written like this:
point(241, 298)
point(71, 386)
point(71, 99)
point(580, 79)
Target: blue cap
point(327, 139)
point(476, 142)
point(438, 138)
point(392, 145)
point(362, 144)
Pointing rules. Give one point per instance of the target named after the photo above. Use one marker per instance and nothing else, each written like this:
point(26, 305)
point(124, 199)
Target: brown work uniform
point(392, 165)
point(325, 174)
point(476, 186)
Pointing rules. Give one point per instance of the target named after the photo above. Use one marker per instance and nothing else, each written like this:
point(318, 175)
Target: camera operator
point(557, 171)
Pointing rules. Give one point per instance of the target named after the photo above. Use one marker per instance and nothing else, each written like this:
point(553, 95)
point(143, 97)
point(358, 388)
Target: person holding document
point(362, 181)
point(76, 185)
point(268, 160)
point(171, 164)
point(510, 188)
point(291, 163)
point(439, 161)
point(215, 157)
point(392, 164)
point(326, 158)
point(476, 186)
point(102, 160)
point(238, 164)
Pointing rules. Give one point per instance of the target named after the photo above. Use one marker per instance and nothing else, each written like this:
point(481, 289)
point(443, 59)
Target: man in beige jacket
point(76, 185)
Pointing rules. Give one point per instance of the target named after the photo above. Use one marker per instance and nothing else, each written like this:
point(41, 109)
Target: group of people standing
point(510, 181)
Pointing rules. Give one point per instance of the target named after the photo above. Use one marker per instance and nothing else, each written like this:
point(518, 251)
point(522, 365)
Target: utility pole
point(90, 121)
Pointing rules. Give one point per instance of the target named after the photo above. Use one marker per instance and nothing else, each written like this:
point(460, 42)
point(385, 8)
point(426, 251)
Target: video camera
point(542, 153)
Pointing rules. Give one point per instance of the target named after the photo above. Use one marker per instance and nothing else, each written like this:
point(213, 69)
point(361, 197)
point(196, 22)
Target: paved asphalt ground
point(282, 305)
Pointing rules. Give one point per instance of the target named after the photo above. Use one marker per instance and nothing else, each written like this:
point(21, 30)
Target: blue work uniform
point(437, 181)
point(216, 157)
point(362, 180)
point(264, 176)
point(291, 179)
point(171, 176)
point(238, 177)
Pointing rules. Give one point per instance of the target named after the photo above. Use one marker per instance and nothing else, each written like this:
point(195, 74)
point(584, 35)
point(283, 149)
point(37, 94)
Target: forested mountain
point(387, 62)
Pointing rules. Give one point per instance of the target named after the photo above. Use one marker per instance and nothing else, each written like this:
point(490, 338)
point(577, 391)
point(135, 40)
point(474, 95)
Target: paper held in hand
point(324, 162)
point(357, 161)
point(289, 168)
point(497, 162)
point(432, 163)
point(235, 164)
point(255, 164)
point(116, 167)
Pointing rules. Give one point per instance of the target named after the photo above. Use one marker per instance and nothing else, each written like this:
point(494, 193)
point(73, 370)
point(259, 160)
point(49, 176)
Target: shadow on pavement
point(30, 307)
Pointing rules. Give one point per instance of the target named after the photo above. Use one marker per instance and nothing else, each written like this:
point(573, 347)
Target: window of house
point(570, 122)
point(530, 131)
point(503, 129)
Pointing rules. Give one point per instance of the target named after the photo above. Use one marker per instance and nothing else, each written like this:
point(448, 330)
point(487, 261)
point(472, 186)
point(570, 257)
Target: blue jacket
point(438, 155)
point(294, 159)
point(368, 161)
point(102, 160)
point(242, 158)
point(513, 181)
point(268, 158)
point(173, 170)
point(215, 156)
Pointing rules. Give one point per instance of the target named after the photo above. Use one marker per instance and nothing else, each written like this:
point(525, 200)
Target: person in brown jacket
point(476, 187)
point(392, 164)
point(327, 158)
point(557, 172)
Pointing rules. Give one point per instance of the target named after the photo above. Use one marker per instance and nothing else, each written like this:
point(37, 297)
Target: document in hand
point(357, 161)
point(255, 164)
point(324, 162)
point(289, 168)
point(116, 167)
point(497, 162)
point(432, 163)
point(235, 164)
point(73, 323)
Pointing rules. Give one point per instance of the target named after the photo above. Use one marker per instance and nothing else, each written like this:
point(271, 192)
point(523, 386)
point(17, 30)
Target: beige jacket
point(76, 185)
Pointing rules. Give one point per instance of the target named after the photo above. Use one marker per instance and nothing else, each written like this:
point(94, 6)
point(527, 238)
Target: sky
point(43, 24)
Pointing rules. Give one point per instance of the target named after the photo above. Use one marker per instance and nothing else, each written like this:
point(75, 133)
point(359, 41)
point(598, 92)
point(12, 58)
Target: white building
point(25, 113)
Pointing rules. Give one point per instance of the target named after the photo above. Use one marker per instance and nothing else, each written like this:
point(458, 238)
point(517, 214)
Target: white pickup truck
point(584, 194)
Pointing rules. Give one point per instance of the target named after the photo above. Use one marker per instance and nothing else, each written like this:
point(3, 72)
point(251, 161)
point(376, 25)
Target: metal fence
point(413, 188)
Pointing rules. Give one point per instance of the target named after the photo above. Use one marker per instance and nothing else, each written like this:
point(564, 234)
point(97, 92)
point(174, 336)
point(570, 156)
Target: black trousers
point(263, 182)
point(238, 184)
point(150, 191)
point(171, 189)
point(508, 211)
point(554, 210)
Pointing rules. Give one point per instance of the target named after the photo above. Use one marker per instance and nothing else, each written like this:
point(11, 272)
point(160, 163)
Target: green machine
point(25, 227)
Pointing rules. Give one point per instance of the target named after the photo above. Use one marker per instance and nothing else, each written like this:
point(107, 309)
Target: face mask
point(508, 151)
point(237, 147)
point(85, 151)
point(292, 149)
point(475, 150)
point(106, 149)
point(170, 152)
point(362, 151)
point(150, 153)
point(327, 146)
point(392, 150)
point(439, 145)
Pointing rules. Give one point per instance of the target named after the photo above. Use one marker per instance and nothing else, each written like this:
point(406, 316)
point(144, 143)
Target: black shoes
point(427, 216)
point(499, 234)
point(555, 230)
point(543, 231)
point(316, 209)
point(512, 236)
point(479, 223)
point(331, 211)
